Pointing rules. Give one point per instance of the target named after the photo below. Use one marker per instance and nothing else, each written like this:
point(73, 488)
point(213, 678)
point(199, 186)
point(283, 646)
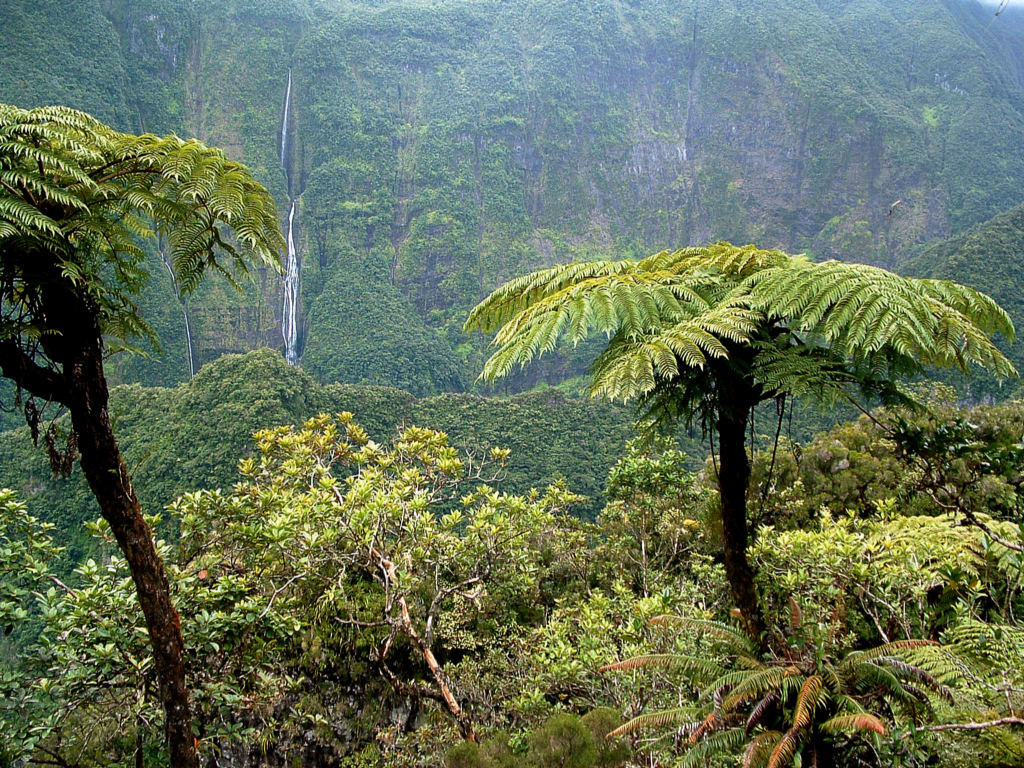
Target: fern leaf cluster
point(816, 328)
point(87, 195)
point(769, 710)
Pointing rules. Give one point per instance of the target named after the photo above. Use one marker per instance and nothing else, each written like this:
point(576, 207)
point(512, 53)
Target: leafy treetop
point(812, 327)
point(87, 193)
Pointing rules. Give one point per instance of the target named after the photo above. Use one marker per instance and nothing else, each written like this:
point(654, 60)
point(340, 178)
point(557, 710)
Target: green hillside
point(437, 149)
point(192, 436)
point(989, 257)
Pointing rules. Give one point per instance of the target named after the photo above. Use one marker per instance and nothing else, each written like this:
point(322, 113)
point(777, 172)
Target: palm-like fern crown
point(75, 188)
point(809, 328)
point(767, 709)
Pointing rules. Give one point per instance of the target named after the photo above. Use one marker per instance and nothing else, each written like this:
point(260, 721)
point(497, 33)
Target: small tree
point(650, 525)
point(562, 741)
point(708, 333)
point(353, 535)
point(81, 689)
point(76, 197)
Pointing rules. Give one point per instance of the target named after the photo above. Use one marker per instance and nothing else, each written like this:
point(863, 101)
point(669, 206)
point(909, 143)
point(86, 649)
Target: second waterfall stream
point(290, 322)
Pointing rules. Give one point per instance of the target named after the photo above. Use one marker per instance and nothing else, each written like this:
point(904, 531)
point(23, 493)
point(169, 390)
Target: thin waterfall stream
point(290, 303)
point(291, 330)
point(189, 348)
point(284, 123)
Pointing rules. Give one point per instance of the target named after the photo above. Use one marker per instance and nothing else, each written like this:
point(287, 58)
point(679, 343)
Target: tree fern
point(709, 332)
point(66, 178)
point(76, 199)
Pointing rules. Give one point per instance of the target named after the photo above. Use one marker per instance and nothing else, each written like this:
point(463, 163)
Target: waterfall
point(188, 344)
point(284, 124)
point(189, 350)
point(290, 322)
point(290, 304)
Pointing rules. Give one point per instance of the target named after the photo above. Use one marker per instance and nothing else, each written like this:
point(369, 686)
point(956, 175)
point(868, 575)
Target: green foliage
point(26, 547)
point(783, 711)
point(610, 752)
point(708, 333)
point(564, 657)
point(456, 145)
point(813, 329)
point(191, 437)
point(914, 574)
point(81, 65)
point(563, 741)
point(986, 257)
point(493, 752)
point(353, 536)
point(86, 193)
point(657, 517)
point(292, 587)
point(466, 754)
point(551, 437)
point(85, 684)
point(377, 339)
point(334, 553)
point(938, 460)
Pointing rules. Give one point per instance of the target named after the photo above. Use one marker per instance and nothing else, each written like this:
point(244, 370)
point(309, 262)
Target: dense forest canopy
point(808, 550)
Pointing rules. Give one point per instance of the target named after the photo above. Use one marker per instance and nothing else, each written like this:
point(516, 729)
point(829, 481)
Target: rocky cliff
point(437, 149)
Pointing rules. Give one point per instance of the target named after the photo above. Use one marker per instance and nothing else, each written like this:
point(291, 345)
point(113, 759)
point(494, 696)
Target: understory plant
point(783, 710)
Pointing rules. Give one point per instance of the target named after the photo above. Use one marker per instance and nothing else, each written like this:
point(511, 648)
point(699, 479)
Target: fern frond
point(86, 193)
point(701, 668)
point(731, 639)
point(887, 649)
point(754, 686)
point(861, 723)
point(861, 310)
point(722, 742)
point(760, 749)
point(817, 327)
point(783, 754)
point(811, 694)
point(683, 716)
point(759, 711)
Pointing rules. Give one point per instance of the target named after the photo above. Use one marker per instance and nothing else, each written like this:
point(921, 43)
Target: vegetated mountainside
point(990, 257)
point(191, 436)
point(434, 150)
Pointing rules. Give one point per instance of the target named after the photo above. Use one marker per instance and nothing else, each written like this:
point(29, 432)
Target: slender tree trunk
point(140, 755)
point(462, 719)
point(108, 479)
point(75, 378)
point(735, 405)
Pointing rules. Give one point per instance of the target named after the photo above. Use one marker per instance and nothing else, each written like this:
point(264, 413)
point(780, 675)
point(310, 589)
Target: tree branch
point(29, 375)
point(969, 726)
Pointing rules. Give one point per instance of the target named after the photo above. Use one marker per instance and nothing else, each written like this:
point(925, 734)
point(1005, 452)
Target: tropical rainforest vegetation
point(350, 602)
point(787, 530)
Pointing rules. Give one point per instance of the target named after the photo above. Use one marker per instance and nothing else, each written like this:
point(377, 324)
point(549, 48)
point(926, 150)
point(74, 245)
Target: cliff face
point(436, 150)
point(990, 257)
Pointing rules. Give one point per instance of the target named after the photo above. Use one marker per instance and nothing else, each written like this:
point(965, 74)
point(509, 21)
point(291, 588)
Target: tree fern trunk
point(734, 408)
point(108, 479)
point(76, 379)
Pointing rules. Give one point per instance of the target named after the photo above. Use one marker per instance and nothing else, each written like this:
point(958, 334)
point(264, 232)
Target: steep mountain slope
point(990, 257)
point(433, 150)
